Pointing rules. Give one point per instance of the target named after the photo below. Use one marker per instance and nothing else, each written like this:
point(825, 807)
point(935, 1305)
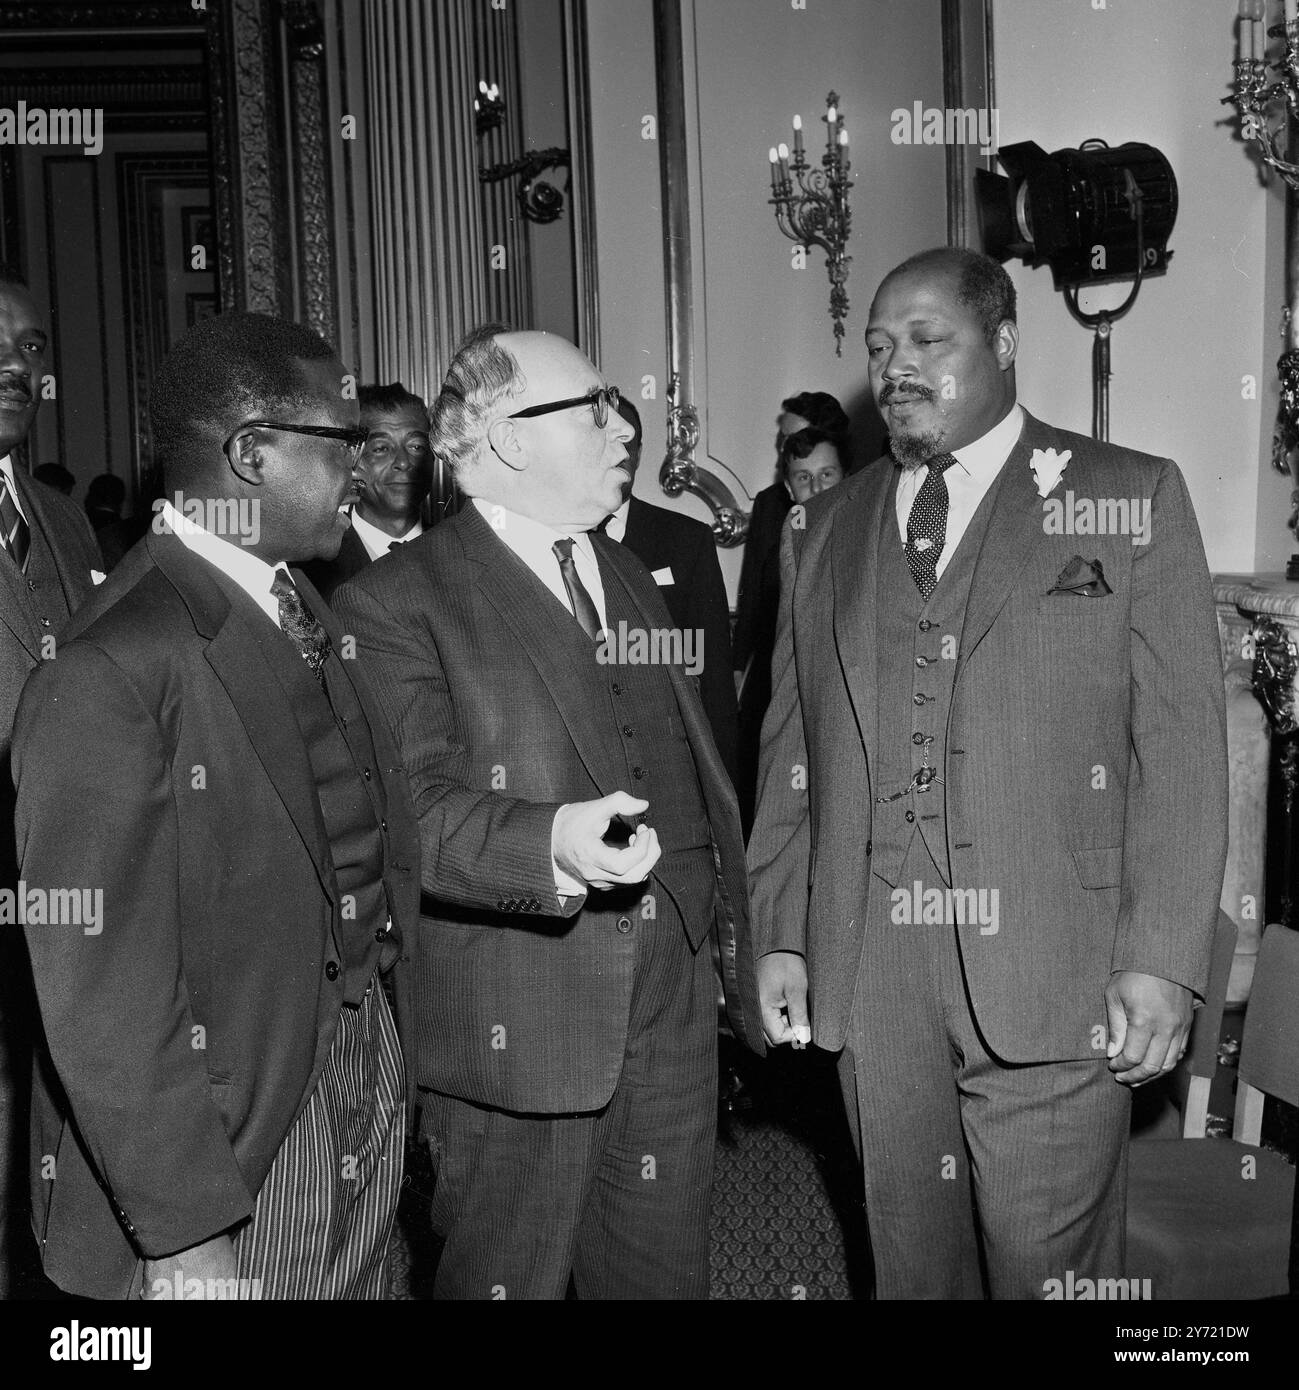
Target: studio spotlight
point(1077, 210)
point(1095, 215)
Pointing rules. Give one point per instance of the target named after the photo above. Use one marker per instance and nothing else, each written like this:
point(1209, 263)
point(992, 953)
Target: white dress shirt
point(616, 527)
point(7, 468)
point(968, 480)
point(377, 542)
point(532, 540)
point(253, 575)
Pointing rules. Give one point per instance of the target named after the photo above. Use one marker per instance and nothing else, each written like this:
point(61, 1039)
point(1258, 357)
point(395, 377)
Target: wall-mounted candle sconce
point(815, 212)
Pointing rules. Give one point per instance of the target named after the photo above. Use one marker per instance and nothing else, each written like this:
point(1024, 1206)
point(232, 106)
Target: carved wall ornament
point(1276, 663)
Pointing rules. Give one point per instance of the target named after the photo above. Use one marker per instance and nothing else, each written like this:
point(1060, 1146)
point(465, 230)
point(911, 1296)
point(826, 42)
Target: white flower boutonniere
point(96, 577)
point(1047, 467)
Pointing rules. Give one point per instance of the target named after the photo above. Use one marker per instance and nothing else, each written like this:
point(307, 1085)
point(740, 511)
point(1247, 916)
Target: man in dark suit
point(992, 817)
point(221, 1095)
point(567, 1026)
point(681, 556)
point(758, 598)
point(47, 567)
point(395, 475)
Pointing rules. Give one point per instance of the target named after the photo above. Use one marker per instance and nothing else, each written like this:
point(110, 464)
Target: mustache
point(893, 391)
point(16, 386)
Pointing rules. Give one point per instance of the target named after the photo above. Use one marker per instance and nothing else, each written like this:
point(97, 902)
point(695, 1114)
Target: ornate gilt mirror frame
point(967, 81)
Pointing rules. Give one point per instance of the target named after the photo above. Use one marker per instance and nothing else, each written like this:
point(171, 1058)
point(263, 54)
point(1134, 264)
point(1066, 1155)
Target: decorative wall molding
point(967, 82)
point(429, 250)
point(583, 174)
point(145, 334)
point(52, 16)
point(680, 472)
point(252, 241)
point(128, 95)
point(309, 172)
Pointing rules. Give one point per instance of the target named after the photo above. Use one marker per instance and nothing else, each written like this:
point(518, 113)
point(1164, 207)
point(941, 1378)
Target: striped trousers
point(321, 1223)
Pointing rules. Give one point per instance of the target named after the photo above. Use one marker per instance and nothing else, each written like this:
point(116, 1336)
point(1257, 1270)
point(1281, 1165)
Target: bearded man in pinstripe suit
point(992, 815)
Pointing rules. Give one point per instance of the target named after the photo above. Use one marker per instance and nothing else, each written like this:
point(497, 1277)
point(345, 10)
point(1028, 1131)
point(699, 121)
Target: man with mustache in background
point(394, 475)
point(46, 569)
point(993, 888)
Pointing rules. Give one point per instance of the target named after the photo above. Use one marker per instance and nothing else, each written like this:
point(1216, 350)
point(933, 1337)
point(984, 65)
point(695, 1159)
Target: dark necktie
point(583, 607)
point(927, 526)
point(14, 533)
point(300, 625)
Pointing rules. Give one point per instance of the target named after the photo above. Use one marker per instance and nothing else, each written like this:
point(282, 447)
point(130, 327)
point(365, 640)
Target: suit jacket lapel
point(615, 566)
point(74, 587)
point(234, 653)
point(526, 607)
point(1014, 530)
point(14, 608)
point(855, 570)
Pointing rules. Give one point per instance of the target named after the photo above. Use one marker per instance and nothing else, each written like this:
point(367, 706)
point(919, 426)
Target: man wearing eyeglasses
point(581, 843)
point(221, 1102)
point(395, 476)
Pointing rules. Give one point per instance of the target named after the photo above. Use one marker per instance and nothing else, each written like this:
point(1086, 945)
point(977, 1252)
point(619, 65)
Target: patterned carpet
point(787, 1215)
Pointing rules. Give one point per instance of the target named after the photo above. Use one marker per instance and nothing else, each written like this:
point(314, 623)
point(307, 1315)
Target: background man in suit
point(759, 594)
point(566, 1001)
point(49, 555)
point(223, 1088)
point(395, 475)
point(681, 556)
point(1014, 822)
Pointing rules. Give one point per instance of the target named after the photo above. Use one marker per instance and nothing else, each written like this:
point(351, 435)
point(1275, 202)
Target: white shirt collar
point(533, 542)
point(253, 575)
point(986, 455)
point(377, 542)
point(616, 527)
point(526, 534)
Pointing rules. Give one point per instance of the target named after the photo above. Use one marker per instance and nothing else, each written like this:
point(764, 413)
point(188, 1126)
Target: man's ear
point(506, 444)
point(246, 456)
point(1006, 344)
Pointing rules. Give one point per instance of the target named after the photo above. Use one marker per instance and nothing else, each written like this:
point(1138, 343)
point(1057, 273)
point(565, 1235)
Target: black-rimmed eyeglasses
point(601, 402)
point(353, 440)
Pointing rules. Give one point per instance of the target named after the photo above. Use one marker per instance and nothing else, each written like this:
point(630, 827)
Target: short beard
point(911, 450)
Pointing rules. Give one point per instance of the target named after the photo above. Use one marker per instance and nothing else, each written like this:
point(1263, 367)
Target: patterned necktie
point(927, 526)
point(14, 533)
point(583, 607)
point(300, 625)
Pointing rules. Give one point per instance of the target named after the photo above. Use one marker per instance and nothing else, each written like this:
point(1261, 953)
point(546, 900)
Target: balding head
point(557, 466)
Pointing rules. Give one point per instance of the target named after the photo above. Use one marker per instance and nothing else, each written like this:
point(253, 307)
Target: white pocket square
point(97, 576)
point(663, 576)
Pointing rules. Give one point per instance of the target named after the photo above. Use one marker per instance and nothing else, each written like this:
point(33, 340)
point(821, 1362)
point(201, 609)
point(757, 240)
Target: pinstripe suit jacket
point(159, 759)
point(1085, 758)
point(496, 736)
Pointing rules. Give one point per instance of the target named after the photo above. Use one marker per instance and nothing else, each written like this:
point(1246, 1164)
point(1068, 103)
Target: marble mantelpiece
point(1258, 623)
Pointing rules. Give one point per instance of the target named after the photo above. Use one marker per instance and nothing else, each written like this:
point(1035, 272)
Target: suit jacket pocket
point(1099, 868)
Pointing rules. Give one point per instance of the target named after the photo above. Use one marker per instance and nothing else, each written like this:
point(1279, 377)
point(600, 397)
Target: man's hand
point(214, 1259)
point(1149, 1020)
point(577, 844)
point(782, 992)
